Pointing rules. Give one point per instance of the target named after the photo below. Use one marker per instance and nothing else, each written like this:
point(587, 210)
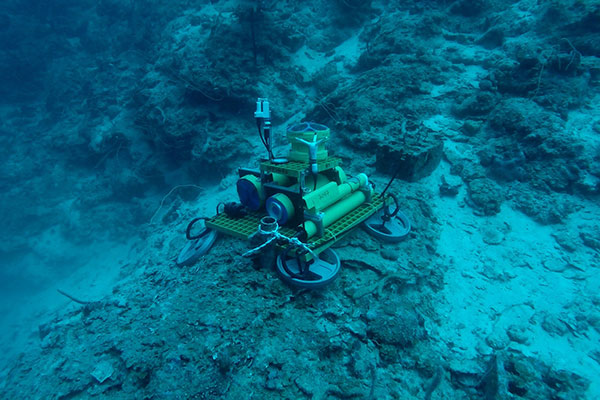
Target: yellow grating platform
point(241, 228)
point(245, 227)
point(294, 169)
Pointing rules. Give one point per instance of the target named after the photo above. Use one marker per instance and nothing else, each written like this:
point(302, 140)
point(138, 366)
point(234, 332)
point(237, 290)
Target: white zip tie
point(255, 250)
point(276, 235)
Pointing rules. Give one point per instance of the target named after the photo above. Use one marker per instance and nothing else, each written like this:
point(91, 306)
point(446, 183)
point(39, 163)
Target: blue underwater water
point(339, 199)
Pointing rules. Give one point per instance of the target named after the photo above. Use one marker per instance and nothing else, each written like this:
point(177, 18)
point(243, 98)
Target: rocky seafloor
point(122, 121)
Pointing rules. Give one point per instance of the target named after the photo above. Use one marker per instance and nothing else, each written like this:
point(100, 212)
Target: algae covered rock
point(476, 105)
point(402, 328)
point(379, 113)
point(511, 374)
point(521, 118)
point(590, 235)
point(486, 196)
point(547, 209)
point(414, 161)
point(492, 235)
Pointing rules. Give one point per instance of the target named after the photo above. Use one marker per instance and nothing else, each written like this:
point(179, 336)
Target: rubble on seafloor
point(225, 328)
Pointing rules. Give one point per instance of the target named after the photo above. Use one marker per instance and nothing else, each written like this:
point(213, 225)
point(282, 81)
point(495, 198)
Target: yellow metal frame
point(294, 169)
point(246, 226)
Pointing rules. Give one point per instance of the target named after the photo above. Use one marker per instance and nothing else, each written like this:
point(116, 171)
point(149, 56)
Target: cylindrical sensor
point(280, 207)
point(250, 192)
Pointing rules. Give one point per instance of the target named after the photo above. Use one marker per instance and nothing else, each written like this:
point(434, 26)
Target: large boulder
point(410, 161)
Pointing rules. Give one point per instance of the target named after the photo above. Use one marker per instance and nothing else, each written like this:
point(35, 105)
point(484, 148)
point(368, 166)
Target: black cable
point(188, 231)
point(263, 140)
point(269, 141)
point(387, 215)
point(235, 210)
point(260, 134)
point(391, 180)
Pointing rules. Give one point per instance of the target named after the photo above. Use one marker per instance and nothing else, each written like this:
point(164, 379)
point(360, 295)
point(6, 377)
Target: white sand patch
point(345, 54)
point(309, 59)
point(502, 292)
point(579, 123)
point(93, 280)
point(350, 50)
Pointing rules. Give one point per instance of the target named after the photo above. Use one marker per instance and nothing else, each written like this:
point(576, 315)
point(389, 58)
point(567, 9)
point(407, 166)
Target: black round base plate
point(392, 231)
point(321, 271)
point(196, 248)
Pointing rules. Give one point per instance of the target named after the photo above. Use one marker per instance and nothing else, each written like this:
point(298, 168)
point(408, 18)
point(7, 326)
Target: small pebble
point(491, 235)
point(389, 254)
point(497, 340)
point(518, 334)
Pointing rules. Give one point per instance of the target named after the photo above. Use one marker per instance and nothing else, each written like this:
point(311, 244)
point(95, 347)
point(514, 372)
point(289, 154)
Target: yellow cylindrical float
point(310, 181)
point(336, 211)
point(332, 192)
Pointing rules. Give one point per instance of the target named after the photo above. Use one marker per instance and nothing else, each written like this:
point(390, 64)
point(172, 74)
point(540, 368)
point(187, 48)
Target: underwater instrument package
point(296, 207)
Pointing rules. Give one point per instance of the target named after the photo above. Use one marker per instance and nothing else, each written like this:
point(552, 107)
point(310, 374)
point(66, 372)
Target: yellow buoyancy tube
point(332, 192)
point(334, 204)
